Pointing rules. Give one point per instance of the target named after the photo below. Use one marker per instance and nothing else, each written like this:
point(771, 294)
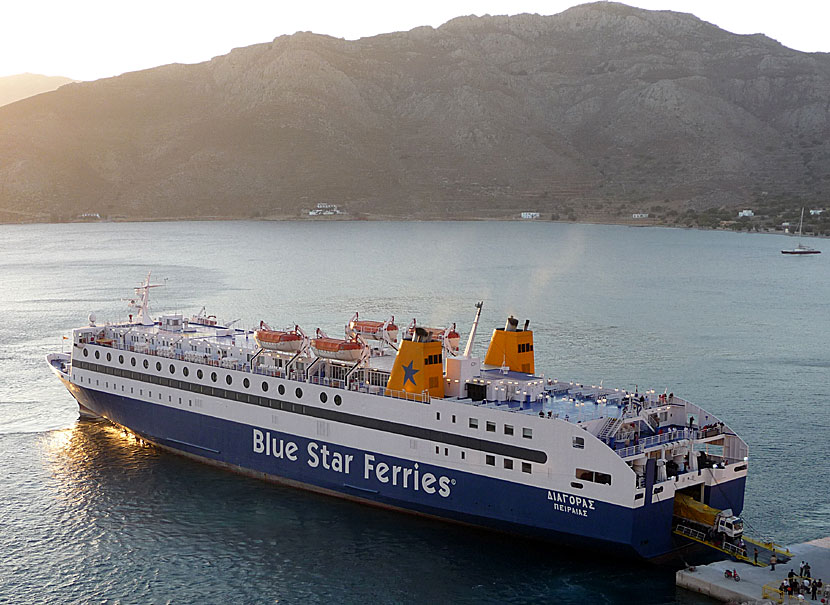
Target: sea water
point(87, 514)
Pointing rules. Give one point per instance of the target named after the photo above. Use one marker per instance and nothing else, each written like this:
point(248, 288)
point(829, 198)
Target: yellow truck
point(718, 521)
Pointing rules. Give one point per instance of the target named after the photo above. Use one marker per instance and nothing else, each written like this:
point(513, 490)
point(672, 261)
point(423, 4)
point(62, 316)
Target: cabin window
point(146, 364)
point(338, 400)
point(576, 485)
point(323, 398)
point(298, 392)
point(437, 450)
point(638, 496)
point(185, 371)
point(508, 463)
point(97, 354)
point(264, 385)
point(490, 459)
point(491, 427)
point(438, 415)
point(446, 451)
point(593, 476)
point(473, 423)
point(213, 376)
point(579, 443)
point(657, 490)
point(508, 429)
point(158, 366)
point(109, 357)
point(86, 353)
point(121, 359)
point(281, 390)
point(172, 369)
point(132, 361)
point(453, 418)
point(527, 433)
point(228, 379)
point(199, 374)
point(463, 455)
point(526, 467)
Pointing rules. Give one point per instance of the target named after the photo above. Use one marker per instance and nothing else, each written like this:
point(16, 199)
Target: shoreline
point(397, 219)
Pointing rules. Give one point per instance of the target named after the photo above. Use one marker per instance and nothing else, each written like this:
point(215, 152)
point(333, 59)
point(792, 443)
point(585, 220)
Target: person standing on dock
point(772, 561)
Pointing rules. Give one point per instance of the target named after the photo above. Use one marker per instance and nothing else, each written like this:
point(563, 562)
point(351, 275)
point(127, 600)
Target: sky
point(91, 39)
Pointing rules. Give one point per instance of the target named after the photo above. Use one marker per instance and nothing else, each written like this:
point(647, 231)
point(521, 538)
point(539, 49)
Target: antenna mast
point(468, 349)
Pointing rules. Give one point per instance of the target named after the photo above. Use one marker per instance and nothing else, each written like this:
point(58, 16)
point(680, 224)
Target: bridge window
point(491, 427)
point(473, 423)
point(579, 443)
point(527, 433)
point(508, 429)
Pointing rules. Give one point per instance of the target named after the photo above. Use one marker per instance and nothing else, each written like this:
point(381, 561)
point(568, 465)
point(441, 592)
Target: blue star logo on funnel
point(409, 373)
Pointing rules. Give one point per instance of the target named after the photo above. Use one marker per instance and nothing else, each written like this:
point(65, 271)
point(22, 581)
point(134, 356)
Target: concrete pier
point(709, 580)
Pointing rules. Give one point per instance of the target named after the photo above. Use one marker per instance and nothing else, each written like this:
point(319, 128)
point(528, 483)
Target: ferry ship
point(405, 419)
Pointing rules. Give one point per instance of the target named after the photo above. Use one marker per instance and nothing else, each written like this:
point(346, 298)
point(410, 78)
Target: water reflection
point(125, 516)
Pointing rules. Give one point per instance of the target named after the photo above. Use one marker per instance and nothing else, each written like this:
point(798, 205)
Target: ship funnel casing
point(418, 367)
point(511, 348)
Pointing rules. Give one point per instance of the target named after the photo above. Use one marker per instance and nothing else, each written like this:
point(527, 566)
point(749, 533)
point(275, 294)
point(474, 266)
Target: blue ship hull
point(354, 474)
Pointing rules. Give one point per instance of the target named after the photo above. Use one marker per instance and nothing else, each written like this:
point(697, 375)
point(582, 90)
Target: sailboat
point(801, 248)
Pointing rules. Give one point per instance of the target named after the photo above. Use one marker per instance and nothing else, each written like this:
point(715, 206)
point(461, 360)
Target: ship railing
point(691, 533)
point(735, 551)
point(631, 450)
point(655, 440)
point(422, 397)
point(327, 382)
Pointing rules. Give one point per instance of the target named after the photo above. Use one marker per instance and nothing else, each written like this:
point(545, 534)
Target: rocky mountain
point(602, 107)
point(22, 86)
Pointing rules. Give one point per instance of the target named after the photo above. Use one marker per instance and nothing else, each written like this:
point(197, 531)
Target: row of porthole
point(228, 378)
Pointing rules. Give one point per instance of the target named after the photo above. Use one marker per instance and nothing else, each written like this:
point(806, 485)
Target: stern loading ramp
point(721, 531)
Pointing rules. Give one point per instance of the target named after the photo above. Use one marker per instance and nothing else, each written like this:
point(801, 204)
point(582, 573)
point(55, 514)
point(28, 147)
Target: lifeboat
point(373, 330)
point(337, 348)
point(448, 336)
point(289, 341)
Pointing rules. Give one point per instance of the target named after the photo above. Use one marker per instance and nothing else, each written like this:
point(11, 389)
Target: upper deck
point(629, 423)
